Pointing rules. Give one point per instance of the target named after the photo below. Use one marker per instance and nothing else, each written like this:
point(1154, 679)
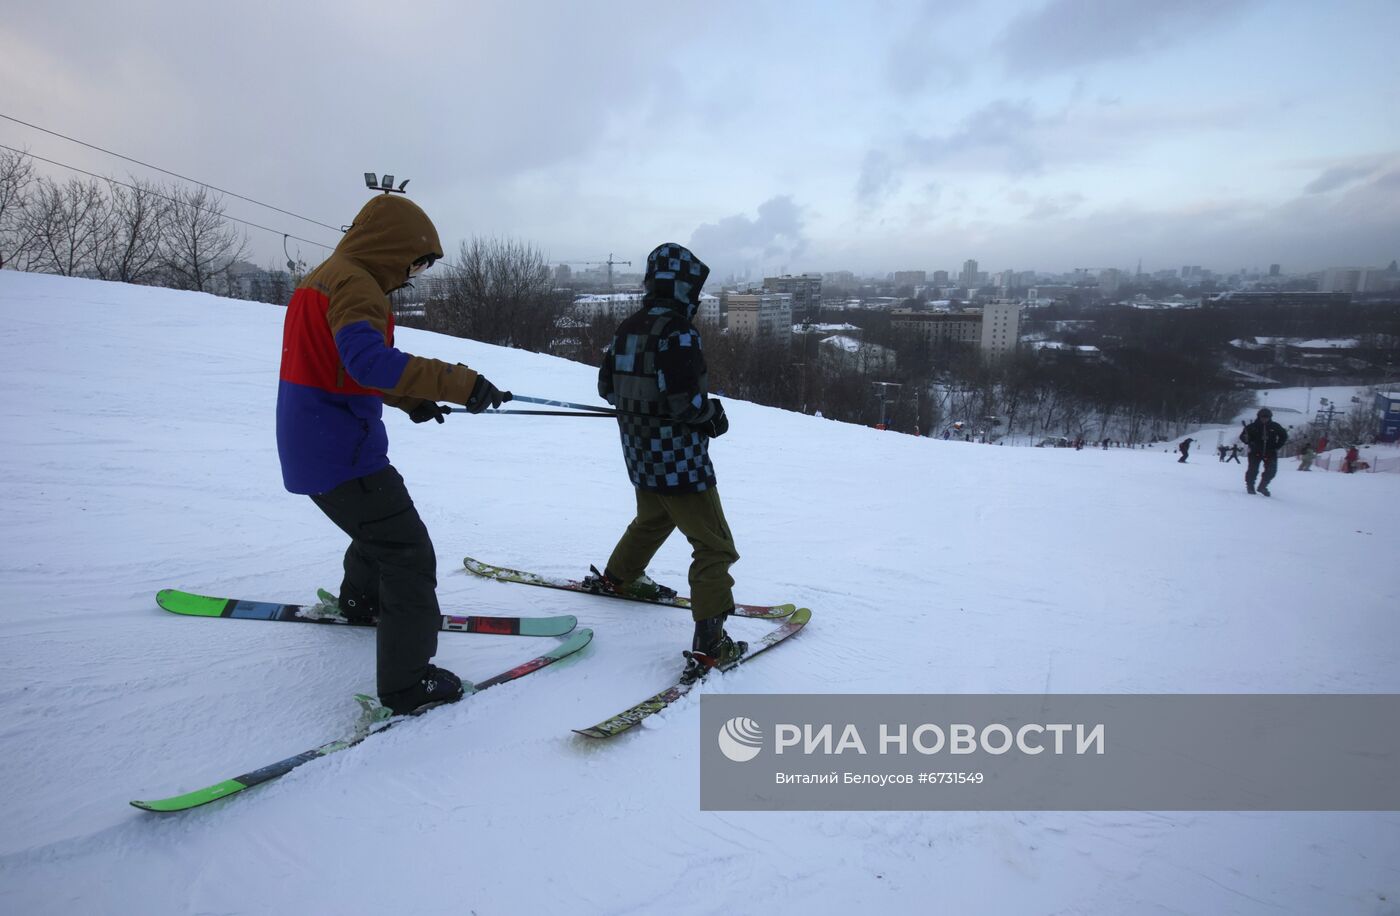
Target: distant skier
point(1349, 463)
point(1235, 453)
point(654, 373)
point(1306, 458)
point(339, 368)
point(1222, 450)
point(1264, 438)
point(1185, 449)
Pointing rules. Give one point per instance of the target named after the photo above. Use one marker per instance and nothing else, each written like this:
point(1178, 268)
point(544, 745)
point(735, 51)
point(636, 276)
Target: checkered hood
point(673, 272)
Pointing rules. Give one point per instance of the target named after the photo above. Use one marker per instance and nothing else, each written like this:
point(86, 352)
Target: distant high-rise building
point(968, 277)
point(910, 277)
point(709, 309)
point(766, 315)
point(1275, 270)
point(1342, 280)
point(1006, 279)
point(1001, 326)
point(805, 291)
point(935, 327)
point(615, 306)
point(940, 278)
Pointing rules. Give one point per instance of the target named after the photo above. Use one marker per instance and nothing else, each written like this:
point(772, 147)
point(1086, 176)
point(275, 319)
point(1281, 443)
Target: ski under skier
point(1263, 438)
point(654, 374)
point(339, 369)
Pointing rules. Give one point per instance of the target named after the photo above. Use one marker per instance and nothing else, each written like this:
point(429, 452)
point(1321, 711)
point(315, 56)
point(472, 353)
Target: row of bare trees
point(133, 231)
point(1140, 397)
point(500, 291)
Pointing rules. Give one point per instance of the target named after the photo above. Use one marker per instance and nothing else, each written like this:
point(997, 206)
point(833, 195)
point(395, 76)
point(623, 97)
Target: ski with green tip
point(653, 704)
point(191, 605)
point(374, 718)
point(505, 574)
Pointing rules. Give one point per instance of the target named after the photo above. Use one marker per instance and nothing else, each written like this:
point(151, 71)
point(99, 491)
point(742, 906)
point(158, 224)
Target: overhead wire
point(154, 193)
point(157, 168)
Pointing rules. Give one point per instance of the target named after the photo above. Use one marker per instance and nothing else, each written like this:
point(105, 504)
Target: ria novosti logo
point(740, 739)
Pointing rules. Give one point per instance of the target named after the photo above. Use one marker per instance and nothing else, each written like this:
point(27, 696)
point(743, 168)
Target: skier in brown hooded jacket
point(339, 368)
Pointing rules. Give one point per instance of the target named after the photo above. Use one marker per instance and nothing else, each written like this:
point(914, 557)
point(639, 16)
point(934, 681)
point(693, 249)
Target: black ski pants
point(390, 567)
point(1251, 470)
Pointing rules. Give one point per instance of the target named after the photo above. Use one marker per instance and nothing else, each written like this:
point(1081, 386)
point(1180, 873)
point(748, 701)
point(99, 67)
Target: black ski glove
point(428, 410)
point(718, 424)
point(485, 395)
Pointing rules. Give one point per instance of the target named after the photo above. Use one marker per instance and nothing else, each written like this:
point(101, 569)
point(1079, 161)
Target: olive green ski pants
point(700, 517)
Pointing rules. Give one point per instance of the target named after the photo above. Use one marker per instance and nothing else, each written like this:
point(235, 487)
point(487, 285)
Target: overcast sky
point(867, 136)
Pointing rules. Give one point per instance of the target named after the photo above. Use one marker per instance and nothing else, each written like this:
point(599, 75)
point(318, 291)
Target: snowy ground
point(137, 448)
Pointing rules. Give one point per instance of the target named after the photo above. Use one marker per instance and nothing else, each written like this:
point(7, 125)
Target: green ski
point(505, 574)
point(190, 605)
point(374, 719)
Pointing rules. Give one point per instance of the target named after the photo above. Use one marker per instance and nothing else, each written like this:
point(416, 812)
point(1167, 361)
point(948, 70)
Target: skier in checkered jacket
point(654, 374)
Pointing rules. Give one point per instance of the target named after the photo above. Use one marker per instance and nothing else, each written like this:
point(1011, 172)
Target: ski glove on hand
point(428, 410)
point(485, 395)
point(718, 424)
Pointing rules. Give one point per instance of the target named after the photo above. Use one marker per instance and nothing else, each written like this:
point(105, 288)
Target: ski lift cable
point(133, 187)
point(165, 171)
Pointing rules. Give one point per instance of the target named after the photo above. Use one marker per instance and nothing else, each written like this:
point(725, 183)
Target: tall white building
point(762, 315)
point(1001, 326)
point(616, 306)
point(968, 277)
point(709, 310)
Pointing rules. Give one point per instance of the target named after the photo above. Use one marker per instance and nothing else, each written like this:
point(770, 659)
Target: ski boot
point(642, 587)
point(436, 687)
point(711, 648)
point(1264, 490)
point(1249, 487)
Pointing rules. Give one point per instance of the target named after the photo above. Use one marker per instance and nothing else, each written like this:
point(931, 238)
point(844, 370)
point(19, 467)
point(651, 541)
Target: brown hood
point(388, 235)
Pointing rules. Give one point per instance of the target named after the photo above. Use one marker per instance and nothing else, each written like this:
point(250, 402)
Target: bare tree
point(131, 251)
point(16, 179)
point(500, 291)
point(66, 223)
point(198, 244)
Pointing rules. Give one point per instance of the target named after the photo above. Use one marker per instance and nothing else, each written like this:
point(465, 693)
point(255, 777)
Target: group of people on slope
point(1263, 438)
point(340, 367)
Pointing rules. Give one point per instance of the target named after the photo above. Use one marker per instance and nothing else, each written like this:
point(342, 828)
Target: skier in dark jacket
point(654, 374)
point(339, 368)
point(1185, 449)
point(1263, 438)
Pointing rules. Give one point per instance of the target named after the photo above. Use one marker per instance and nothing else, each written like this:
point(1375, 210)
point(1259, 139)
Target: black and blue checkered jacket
point(654, 374)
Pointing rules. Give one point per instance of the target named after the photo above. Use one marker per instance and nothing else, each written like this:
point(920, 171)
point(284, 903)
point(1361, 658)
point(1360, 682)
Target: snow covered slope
point(136, 446)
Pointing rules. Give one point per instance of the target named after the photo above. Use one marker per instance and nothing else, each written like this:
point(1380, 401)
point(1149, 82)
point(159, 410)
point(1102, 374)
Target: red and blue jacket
point(339, 362)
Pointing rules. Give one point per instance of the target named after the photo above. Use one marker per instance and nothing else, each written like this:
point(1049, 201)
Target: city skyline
point(769, 138)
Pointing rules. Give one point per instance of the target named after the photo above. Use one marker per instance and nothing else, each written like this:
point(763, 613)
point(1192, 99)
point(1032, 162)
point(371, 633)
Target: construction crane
point(610, 262)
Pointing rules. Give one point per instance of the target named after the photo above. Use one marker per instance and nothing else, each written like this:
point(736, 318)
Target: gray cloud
point(1047, 206)
point(916, 63)
point(1068, 34)
point(877, 181)
point(1337, 177)
point(998, 135)
point(1001, 136)
point(737, 241)
point(1358, 225)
